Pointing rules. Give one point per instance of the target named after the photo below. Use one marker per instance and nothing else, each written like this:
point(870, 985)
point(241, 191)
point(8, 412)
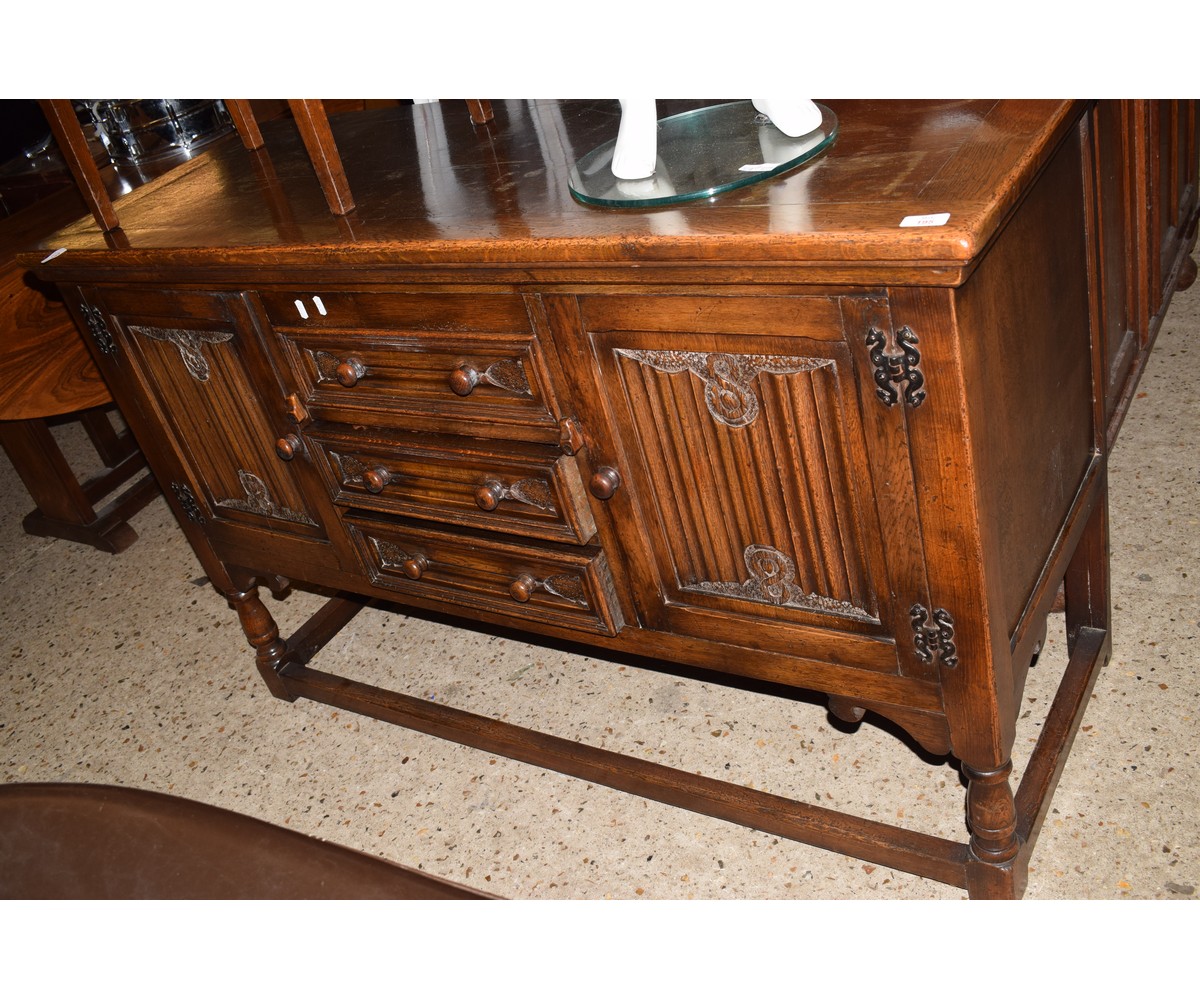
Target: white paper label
point(940, 219)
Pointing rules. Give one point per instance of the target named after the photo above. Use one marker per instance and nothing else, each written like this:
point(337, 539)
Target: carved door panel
point(204, 368)
point(734, 428)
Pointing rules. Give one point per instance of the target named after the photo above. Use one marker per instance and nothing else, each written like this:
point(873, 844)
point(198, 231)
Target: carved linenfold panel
point(727, 378)
point(744, 450)
point(189, 343)
point(773, 581)
point(98, 328)
point(258, 500)
point(936, 640)
point(187, 500)
point(892, 369)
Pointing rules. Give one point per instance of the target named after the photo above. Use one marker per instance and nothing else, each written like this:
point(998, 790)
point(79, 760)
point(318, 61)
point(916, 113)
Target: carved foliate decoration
point(351, 468)
point(508, 374)
point(258, 500)
point(773, 581)
point(187, 500)
point(534, 492)
point(327, 365)
point(189, 343)
point(892, 369)
point(936, 639)
point(98, 328)
point(391, 556)
point(728, 390)
point(565, 585)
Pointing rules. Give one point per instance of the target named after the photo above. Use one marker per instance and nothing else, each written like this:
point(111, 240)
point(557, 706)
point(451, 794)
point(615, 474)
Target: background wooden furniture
point(781, 436)
point(1144, 190)
point(46, 372)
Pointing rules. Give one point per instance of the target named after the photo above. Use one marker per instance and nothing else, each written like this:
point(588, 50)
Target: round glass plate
point(702, 153)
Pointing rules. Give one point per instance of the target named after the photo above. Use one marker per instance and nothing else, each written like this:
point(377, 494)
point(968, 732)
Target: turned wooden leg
point(271, 652)
point(997, 869)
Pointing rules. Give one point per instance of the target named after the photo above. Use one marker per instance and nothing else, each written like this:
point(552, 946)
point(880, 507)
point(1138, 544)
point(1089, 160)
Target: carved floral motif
point(728, 392)
point(508, 374)
point(534, 492)
point(773, 581)
point(391, 556)
point(568, 587)
point(258, 500)
point(189, 344)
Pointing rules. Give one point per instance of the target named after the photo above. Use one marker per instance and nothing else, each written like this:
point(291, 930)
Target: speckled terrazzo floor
point(124, 670)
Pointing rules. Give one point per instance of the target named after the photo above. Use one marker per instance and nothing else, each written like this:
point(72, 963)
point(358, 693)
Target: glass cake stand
point(702, 153)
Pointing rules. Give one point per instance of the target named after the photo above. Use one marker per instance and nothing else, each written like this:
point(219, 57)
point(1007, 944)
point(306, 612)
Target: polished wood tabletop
point(431, 187)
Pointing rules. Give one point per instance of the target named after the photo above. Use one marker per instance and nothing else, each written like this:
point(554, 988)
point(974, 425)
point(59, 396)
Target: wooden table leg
point(66, 507)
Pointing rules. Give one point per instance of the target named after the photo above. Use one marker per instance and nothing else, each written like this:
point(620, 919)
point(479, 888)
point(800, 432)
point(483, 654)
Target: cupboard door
point(742, 455)
point(203, 368)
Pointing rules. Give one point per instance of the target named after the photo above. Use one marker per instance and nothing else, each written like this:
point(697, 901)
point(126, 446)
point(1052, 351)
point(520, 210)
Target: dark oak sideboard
point(784, 435)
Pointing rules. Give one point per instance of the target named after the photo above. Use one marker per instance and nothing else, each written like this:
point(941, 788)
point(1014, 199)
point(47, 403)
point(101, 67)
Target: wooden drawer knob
point(605, 482)
point(288, 447)
point(374, 480)
point(414, 567)
point(350, 371)
point(489, 495)
point(463, 380)
point(522, 587)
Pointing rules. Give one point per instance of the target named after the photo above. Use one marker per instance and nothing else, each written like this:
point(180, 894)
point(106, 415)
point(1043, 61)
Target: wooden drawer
point(441, 362)
point(556, 586)
point(519, 488)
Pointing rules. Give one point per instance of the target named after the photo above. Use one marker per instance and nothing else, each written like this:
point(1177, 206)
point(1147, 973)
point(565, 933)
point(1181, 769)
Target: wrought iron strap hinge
point(900, 366)
point(99, 329)
point(187, 500)
point(936, 640)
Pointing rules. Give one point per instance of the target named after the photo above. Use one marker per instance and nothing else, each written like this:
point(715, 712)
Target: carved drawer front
point(557, 587)
point(462, 363)
point(204, 366)
point(520, 488)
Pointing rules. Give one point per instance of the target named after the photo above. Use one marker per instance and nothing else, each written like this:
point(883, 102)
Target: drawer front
point(460, 363)
point(558, 587)
point(519, 489)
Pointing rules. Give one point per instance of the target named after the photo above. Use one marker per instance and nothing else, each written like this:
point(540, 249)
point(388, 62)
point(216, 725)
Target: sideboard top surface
point(431, 188)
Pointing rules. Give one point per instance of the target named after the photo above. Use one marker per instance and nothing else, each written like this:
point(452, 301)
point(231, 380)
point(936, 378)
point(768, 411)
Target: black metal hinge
point(893, 369)
point(99, 330)
point(187, 500)
point(936, 639)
